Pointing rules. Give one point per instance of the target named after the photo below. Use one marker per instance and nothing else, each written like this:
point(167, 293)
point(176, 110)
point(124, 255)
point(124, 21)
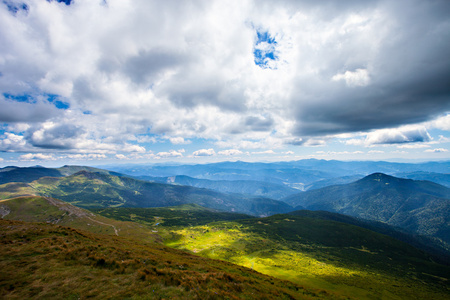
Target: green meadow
point(318, 254)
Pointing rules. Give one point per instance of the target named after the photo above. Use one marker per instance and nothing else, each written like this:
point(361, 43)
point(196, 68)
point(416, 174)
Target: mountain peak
point(380, 177)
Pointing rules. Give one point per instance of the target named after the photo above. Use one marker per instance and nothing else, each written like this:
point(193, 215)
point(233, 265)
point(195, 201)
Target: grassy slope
point(182, 215)
point(427, 244)
point(15, 189)
point(346, 259)
point(54, 211)
point(45, 261)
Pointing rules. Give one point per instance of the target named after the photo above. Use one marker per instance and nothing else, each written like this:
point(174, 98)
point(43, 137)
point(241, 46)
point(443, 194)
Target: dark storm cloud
point(146, 66)
point(295, 142)
point(409, 78)
point(58, 137)
point(205, 89)
point(259, 123)
point(12, 111)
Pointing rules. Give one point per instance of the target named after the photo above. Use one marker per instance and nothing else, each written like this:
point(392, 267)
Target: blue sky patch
point(14, 8)
point(54, 99)
point(67, 2)
point(58, 103)
point(265, 50)
point(19, 98)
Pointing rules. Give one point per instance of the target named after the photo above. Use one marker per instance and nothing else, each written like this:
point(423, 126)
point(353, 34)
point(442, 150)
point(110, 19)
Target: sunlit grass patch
point(54, 262)
point(300, 260)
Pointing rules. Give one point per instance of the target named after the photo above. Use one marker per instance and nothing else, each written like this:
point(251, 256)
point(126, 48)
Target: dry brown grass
point(43, 261)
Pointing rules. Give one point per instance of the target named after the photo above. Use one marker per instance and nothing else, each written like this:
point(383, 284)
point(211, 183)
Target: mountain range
point(417, 206)
point(296, 174)
point(102, 189)
point(378, 236)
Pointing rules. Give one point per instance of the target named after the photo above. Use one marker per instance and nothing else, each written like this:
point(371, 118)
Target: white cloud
point(404, 137)
point(179, 141)
point(438, 150)
point(36, 156)
point(204, 152)
point(12, 142)
point(359, 77)
point(407, 134)
point(264, 152)
point(442, 123)
point(230, 152)
point(121, 156)
point(90, 156)
point(413, 146)
point(171, 153)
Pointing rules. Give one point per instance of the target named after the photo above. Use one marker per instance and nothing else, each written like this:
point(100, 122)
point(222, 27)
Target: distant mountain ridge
point(302, 174)
point(29, 174)
point(89, 189)
point(440, 178)
point(246, 187)
point(421, 207)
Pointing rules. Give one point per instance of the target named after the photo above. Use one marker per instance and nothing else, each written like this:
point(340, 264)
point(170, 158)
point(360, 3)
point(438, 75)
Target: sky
point(143, 81)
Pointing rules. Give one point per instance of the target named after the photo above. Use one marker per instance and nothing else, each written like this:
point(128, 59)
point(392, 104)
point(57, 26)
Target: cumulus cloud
point(171, 153)
point(359, 77)
point(264, 152)
point(90, 156)
point(310, 142)
point(36, 156)
point(179, 140)
point(401, 137)
point(398, 136)
point(230, 152)
point(438, 150)
point(204, 152)
point(442, 123)
point(12, 142)
point(36, 111)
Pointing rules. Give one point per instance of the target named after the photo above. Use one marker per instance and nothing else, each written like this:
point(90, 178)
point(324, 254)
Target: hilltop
point(421, 207)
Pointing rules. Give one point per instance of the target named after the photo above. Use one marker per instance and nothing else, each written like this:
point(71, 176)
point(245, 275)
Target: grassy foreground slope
point(314, 252)
point(46, 261)
point(54, 211)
